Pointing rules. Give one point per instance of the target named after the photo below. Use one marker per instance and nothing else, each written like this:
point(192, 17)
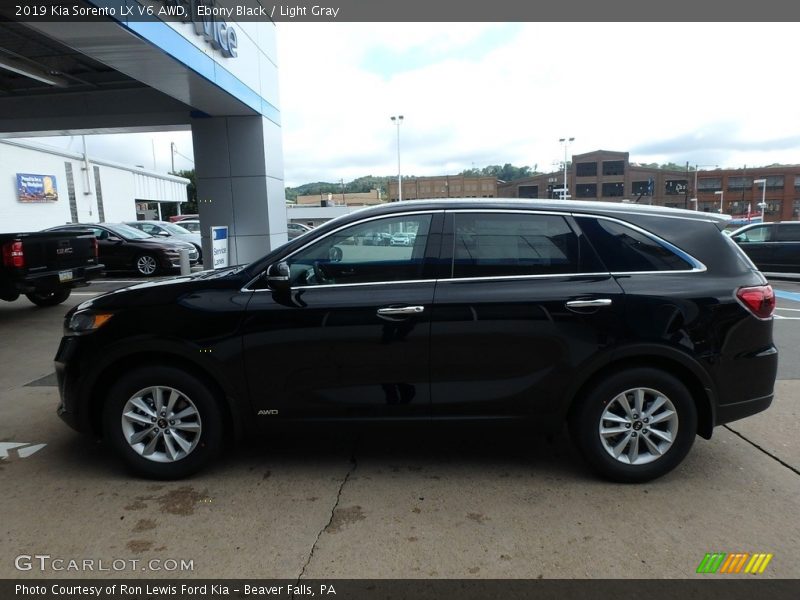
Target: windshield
point(175, 229)
point(128, 232)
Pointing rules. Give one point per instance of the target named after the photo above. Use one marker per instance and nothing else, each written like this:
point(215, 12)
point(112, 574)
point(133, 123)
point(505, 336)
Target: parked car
point(401, 239)
point(639, 326)
point(179, 218)
point(191, 225)
point(170, 230)
point(45, 267)
point(295, 230)
point(126, 248)
point(773, 247)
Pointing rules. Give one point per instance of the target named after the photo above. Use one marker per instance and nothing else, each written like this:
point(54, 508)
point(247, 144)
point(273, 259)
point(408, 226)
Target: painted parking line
point(794, 296)
point(86, 293)
point(18, 449)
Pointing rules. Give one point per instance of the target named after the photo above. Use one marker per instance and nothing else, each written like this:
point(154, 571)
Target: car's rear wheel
point(49, 298)
point(146, 264)
point(635, 425)
point(164, 422)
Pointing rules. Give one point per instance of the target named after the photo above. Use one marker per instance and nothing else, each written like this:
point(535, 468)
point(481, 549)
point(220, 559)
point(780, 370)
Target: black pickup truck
point(45, 266)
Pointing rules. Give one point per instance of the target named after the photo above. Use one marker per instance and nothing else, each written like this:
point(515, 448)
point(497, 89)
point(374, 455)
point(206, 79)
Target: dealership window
point(796, 207)
point(797, 183)
point(613, 189)
point(674, 187)
point(494, 245)
point(586, 169)
point(740, 183)
point(640, 188)
point(707, 206)
point(380, 250)
point(586, 190)
point(709, 184)
point(623, 249)
point(528, 191)
point(773, 207)
point(613, 167)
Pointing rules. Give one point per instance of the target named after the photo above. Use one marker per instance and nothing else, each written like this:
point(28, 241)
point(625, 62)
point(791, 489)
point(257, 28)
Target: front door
point(352, 337)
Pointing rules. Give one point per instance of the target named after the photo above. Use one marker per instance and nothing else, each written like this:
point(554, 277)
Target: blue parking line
point(788, 295)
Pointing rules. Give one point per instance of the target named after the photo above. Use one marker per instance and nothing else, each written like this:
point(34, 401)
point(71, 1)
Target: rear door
point(526, 305)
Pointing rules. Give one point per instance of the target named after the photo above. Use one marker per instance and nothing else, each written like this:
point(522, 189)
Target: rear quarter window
point(625, 249)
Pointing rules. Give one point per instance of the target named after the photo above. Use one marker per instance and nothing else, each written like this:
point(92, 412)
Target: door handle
point(400, 311)
point(596, 303)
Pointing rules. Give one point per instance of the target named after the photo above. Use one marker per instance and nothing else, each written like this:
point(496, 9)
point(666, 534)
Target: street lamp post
point(696, 168)
point(763, 204)
point(721, 194)
point(397, 120)
point(566, 142)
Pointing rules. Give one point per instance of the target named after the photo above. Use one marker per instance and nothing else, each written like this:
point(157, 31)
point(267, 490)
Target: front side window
point(380, 250)
point(497, 245)
point(623, 249)
point(759, 233)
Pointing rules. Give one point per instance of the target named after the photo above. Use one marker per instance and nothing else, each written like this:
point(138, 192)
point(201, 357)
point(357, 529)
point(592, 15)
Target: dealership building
point(117, 74)
point(43, 187)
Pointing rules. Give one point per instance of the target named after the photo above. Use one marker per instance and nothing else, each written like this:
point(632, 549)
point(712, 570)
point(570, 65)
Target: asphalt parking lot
point(410, 502)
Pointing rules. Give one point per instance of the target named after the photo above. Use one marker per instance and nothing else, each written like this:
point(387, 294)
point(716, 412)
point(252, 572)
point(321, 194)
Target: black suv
point(639, 327)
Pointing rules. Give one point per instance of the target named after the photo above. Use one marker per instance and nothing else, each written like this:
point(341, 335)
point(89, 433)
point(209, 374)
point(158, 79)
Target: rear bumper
point(733, 412)
point(51, 280)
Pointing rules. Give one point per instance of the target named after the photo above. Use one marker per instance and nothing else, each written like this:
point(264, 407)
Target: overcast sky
point(478, 94)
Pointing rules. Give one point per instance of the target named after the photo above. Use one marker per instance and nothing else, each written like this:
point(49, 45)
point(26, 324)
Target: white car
point(175, 231)
point(403, 239)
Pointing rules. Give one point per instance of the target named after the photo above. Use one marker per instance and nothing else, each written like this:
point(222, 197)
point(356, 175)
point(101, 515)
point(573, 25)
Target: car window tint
point(496, 245)
point(624, 249)
point(788, 233)
point(364, 253)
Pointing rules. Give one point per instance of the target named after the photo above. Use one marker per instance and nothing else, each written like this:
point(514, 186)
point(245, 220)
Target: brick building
point(444, 186)
point(609, 176)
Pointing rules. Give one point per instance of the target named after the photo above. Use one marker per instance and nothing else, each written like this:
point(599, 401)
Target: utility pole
point(172, 155)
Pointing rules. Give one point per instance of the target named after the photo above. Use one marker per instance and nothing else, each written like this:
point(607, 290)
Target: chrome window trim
point(330, 233)
point(697, 266)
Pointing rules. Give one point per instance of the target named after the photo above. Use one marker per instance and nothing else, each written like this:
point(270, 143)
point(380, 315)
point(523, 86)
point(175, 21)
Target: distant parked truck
point(45, 266)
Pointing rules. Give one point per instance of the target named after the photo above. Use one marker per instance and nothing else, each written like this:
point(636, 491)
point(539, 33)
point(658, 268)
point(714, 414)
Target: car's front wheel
point(146, 264)
point(635, 425)
point(164, 422)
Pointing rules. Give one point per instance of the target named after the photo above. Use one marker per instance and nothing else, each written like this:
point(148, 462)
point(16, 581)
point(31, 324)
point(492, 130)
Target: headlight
point(83, 322)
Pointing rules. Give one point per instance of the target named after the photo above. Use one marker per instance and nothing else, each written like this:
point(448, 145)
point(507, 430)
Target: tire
point(644, 450)
point(146, 264)
point(172, 451)
point(49, 298)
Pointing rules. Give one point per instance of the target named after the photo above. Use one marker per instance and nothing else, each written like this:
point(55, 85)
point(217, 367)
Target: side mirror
point(279, 277)
point(113, 238)
point(163, 234)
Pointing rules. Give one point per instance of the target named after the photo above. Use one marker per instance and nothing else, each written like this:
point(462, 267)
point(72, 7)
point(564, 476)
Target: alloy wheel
point(146, 265)
point(638, 426)
point(161, 424)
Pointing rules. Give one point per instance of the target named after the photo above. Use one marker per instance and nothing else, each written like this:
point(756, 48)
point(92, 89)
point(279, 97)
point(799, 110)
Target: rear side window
point(788, 233)
point(624, 249)
point(496, 245)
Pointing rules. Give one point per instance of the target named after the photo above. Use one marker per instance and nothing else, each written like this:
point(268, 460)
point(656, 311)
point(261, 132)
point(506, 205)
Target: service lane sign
point(219, 246)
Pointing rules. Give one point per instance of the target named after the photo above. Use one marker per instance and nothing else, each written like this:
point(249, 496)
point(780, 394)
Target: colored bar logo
point(737, 562)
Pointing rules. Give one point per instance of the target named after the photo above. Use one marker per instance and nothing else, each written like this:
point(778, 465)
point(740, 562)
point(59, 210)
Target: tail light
point(759, 300)
point(13, 255)
point(96, 249)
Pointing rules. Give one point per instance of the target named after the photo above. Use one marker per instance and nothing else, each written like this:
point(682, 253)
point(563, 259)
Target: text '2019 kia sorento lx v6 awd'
point(639, 327)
